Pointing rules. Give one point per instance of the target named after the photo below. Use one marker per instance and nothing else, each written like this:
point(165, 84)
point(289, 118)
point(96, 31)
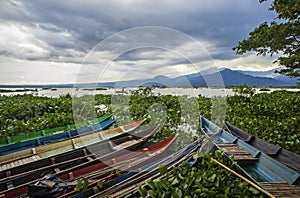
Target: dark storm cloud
point(65, 31)
point(89, 22)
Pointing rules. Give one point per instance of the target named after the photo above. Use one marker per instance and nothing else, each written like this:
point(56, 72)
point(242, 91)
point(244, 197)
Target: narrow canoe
point(284, 156)
point(103, 148)
point(36, 134)
point(132, 180)
point(46, 140)
point(103, 162)
point(256, 165)
point(34, 154)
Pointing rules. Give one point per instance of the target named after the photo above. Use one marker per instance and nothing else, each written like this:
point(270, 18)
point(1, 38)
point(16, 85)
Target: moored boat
point(37, 153)
point(103, 162)
point(46, 140)
point(108, 148)
point(284, 156)
point(130, 181)
point(257, 166)
point(37, 134)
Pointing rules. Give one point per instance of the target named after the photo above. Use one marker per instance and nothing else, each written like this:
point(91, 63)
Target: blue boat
point(33, 154)
point(12, 148)
point(276, 152)
point(263, 170)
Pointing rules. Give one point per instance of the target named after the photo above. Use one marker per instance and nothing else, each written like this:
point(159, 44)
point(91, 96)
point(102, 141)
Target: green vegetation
point(244, 90)
point(273, 116)
point(93, 89)
point(26, 113)
point(280, 36)
point(204, 179)
point(264, 89)
point(15, 90)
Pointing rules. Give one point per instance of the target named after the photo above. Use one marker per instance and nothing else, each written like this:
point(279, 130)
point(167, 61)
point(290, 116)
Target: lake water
point(190, 92)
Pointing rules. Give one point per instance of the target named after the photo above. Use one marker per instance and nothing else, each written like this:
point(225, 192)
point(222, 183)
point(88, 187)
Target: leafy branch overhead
point(280, 36)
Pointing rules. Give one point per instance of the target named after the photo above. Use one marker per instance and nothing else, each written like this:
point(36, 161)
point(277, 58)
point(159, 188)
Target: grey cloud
point(66, 31)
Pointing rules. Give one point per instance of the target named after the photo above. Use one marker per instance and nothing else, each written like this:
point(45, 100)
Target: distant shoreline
point(176, 91)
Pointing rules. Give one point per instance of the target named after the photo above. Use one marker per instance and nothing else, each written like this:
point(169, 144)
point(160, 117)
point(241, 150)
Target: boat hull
point(50, 139)
point(276, 152)
point(104, 162)
point(257, 166)
point(41, 152)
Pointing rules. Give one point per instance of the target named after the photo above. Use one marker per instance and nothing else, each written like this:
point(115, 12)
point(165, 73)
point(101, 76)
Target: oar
point(238, 175)
point(243, 178)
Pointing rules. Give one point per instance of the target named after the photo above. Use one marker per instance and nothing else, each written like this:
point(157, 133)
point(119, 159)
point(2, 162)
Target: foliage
point(82, 185)
point(205, 179)
point(272, 116)
point(264, 89)
point(280, 36)
point(16, 90)
point(244, 91)
point(26, 113)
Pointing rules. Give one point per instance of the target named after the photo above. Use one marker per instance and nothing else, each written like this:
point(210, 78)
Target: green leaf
point(143, 191)
point(175, 181)
point(100, 184)
point(151, 184)
point(254, 190)
point(212, 178)
point(177, 193)
point(163, 169)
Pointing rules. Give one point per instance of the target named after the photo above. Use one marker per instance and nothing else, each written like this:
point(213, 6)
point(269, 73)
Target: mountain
point(236, 78)
point(201, 79)
point(229, 78)
point(271, 74)
point(268, 73)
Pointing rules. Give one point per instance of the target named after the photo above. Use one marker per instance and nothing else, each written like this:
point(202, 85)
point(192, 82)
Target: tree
point(244, 91)
point(280, 36)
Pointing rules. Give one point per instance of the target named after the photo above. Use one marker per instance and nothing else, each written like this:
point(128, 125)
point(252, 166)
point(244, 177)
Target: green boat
point(36, 134)
point(37, 153)
point(50, 139)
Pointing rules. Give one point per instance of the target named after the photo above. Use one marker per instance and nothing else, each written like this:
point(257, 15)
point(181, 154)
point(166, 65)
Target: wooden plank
point(238, 152)
point(282, 189)
point(245, 158)
point(226, 144)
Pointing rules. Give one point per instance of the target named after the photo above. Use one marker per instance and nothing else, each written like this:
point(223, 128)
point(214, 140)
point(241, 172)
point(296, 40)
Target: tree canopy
point(281, 36)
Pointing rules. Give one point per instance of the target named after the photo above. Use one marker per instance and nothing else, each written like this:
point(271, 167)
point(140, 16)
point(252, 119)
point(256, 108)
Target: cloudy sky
point(55, 41)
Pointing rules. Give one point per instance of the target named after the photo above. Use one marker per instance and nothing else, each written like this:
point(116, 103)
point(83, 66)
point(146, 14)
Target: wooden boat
point(12, 148)
point(34, 154)
point(256, 165)
point(136, 167)
point(103, 162)
point(124, 184)
point(284, 156)
point(33, 135)
point(115, 147)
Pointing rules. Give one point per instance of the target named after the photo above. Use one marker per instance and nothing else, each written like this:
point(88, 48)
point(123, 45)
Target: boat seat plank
point(227, 144)
point(284, 156)
point(245, 158)
point(124, 145)
point(9, 185)
point(238, 152)
point(281, 189)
